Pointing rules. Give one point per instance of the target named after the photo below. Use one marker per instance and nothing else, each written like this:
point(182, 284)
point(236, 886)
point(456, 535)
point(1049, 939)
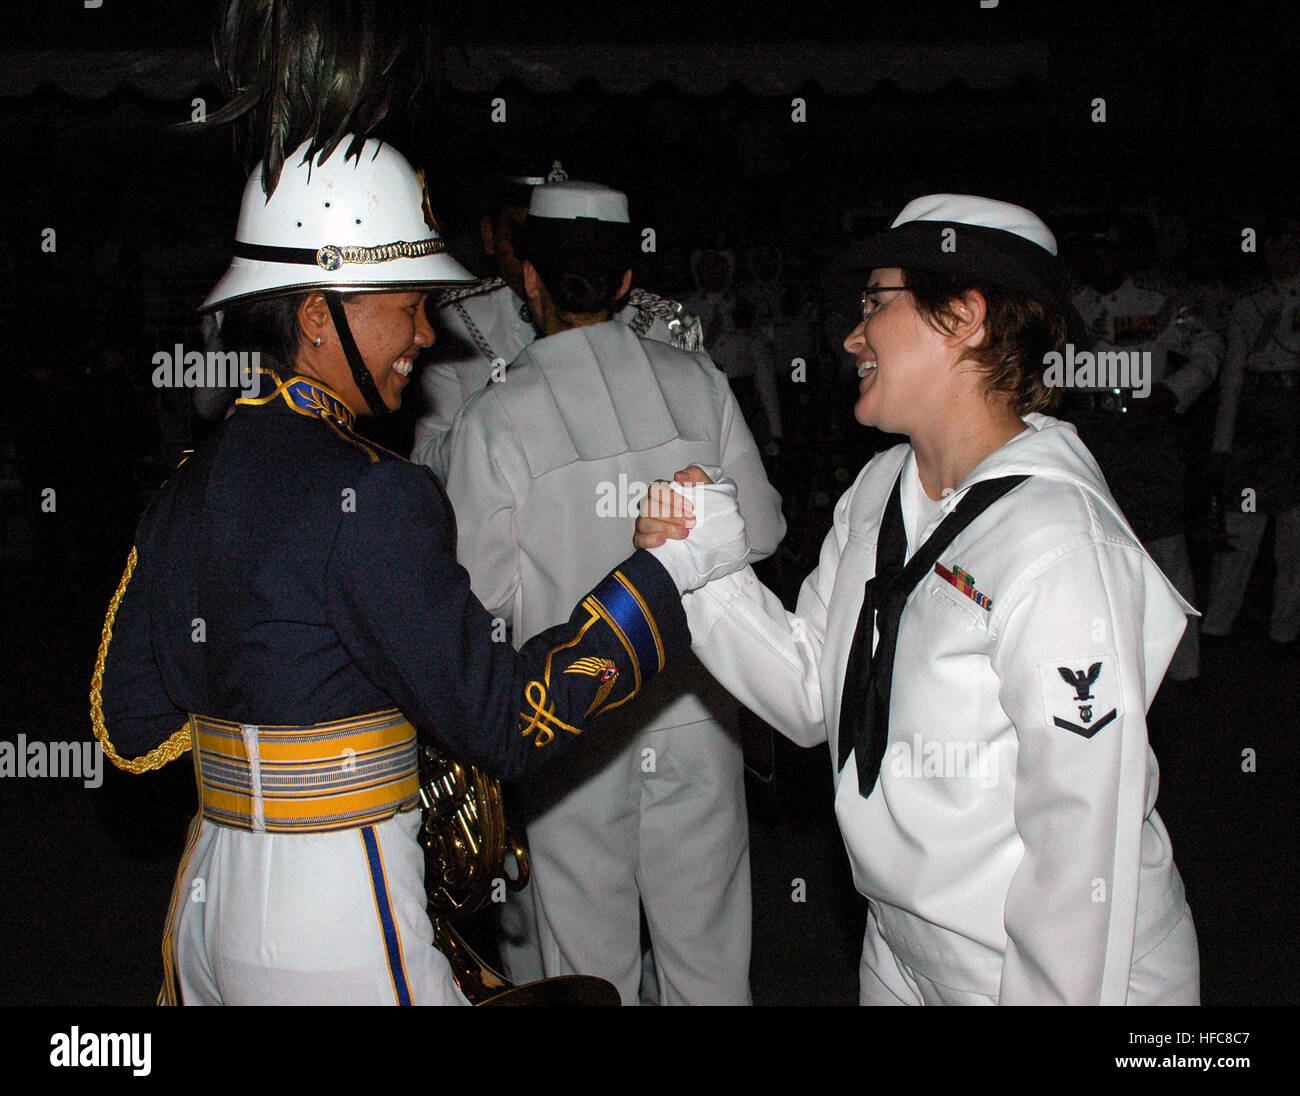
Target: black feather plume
point(317, 70)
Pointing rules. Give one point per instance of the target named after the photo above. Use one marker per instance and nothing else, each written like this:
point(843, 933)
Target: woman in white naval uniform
point(997, 802)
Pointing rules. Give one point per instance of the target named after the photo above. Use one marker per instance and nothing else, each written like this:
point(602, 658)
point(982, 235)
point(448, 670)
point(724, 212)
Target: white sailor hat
point(573, 201)
point(990, 241)
point(576, 219)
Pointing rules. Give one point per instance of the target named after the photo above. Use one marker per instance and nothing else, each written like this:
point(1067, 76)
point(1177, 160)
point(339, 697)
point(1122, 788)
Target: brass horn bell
point(466, 841)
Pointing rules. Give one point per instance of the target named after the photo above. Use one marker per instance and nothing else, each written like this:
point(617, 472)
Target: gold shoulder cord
point(156, 758)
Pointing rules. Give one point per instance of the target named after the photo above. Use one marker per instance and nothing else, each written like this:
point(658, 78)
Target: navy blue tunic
point(291, 572)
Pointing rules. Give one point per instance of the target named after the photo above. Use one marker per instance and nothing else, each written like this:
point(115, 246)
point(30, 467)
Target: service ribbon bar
point(965, 583)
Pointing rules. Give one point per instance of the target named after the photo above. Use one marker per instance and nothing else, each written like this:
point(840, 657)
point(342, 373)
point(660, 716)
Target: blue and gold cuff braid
point(629, 628)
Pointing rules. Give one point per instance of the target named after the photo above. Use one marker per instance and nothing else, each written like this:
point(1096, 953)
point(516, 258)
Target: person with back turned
point(586, 416)
point(483, 327)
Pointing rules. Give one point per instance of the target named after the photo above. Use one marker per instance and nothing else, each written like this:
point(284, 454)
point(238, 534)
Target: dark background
point(1201, 108)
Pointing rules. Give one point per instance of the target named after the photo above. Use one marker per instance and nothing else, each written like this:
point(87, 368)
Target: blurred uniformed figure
point(482, 328)
point(789, 315)
point(586, 416)
point(1192, 271)
point(1255, 444)
point(739, 336)
point(1138, 440)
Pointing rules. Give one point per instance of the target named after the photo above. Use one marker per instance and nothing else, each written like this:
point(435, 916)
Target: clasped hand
point(693, 526)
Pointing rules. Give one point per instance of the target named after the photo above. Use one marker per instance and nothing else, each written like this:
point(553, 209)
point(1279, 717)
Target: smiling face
point(390, 330)
point(904, 364)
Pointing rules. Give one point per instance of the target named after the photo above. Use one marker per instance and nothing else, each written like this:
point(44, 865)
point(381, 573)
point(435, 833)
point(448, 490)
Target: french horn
point(466, 841)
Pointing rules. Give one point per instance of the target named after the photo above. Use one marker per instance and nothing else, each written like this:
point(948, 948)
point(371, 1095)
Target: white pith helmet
point(353, 225)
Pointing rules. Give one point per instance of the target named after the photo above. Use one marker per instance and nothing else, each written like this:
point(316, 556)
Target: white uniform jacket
point(547, 469)
point(478, 333)
point(1263, 337)
point(1135, 318)
point(1010, 847)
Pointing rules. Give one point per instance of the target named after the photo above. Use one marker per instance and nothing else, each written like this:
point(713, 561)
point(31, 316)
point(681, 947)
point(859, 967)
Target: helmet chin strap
point(360, 374)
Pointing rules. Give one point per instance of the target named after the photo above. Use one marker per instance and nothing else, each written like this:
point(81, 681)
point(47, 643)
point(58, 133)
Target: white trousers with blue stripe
point(307, 919)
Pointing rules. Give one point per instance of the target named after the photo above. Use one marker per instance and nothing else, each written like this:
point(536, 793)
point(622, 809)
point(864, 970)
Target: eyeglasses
point(870, 304)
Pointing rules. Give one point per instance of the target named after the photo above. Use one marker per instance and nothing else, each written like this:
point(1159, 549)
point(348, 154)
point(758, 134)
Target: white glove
point(716, 546)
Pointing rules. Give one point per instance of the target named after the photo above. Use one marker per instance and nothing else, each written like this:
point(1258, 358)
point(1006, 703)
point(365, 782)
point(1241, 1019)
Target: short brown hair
point(1020, 332)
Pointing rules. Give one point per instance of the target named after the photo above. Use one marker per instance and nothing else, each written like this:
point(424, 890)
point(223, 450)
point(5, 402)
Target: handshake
point(693, 527)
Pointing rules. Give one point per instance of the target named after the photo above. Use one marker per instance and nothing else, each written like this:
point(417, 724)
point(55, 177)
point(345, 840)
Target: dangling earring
point(316, 341)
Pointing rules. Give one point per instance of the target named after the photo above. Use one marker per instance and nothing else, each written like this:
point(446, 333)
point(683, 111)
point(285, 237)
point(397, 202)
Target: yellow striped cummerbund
point(326, 776)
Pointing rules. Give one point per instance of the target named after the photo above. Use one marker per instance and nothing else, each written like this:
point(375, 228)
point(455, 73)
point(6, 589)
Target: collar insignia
point(302, 394)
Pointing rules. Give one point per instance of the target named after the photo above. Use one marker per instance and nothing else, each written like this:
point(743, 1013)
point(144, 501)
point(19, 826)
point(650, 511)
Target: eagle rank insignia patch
point(1079, 696)
point(600, 668)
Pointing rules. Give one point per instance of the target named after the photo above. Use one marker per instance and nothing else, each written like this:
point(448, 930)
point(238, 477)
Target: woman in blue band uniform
point(979, 645)
point(293, 610)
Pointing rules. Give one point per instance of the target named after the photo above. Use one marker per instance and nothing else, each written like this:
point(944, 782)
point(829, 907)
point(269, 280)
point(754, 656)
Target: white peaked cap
point(570, 201)
point(968, 209)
